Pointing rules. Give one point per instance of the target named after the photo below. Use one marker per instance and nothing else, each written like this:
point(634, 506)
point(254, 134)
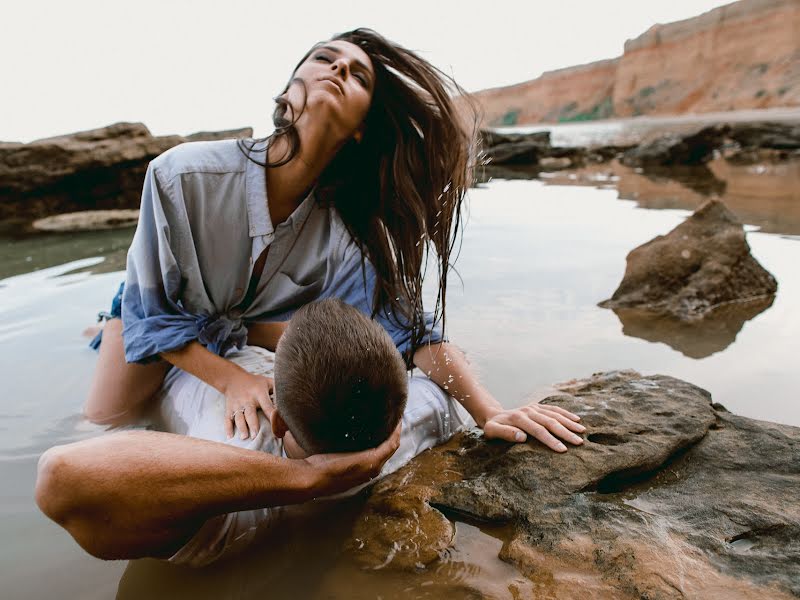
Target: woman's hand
point(545, 422)
point(244, 395)
point(340, 472)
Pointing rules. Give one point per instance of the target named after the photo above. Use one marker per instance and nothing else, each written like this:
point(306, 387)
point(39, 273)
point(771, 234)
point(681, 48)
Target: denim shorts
point(114, 313)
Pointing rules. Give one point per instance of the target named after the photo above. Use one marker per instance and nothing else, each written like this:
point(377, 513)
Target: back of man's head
point(340, 383)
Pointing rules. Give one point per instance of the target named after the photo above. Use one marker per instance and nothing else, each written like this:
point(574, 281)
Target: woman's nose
point(340, 66)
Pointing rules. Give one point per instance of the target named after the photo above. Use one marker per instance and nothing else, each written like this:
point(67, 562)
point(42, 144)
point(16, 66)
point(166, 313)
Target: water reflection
point(305, 556)
point(23, 250)
point(696, 339)
point(765, 195)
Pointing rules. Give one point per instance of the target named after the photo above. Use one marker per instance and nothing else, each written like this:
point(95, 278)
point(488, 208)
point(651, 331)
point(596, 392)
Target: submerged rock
point(97, 169)
point(669, 497)
point(703, 263)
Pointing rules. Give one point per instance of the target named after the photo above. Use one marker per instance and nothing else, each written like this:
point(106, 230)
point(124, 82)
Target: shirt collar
point(256, 191)
point(257, 201)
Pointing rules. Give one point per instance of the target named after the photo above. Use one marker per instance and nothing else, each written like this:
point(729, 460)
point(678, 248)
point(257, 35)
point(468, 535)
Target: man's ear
point(279, 427)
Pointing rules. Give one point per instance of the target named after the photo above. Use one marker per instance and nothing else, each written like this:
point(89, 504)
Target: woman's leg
point(120, 389)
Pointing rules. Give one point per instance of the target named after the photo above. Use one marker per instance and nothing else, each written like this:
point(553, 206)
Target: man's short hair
point(340, 383)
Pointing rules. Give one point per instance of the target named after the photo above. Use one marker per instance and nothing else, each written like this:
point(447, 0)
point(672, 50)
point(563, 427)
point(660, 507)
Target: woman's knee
point(119, 389)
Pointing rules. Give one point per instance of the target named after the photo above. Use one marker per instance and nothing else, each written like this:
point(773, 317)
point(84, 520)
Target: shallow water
point(537, 256)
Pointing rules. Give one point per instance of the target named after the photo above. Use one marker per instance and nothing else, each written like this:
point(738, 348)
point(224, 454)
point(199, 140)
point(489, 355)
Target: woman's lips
point(334, 82)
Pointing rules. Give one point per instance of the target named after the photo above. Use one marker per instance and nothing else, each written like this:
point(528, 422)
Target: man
point(192, 495)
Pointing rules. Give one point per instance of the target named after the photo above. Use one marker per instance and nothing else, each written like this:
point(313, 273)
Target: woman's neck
point(289, 184)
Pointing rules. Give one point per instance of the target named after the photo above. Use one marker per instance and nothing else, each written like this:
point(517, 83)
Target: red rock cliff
point(739, 56)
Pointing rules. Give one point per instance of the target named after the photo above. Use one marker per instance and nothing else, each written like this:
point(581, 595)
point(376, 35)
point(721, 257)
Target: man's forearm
point(447, 366)
point(131, 493)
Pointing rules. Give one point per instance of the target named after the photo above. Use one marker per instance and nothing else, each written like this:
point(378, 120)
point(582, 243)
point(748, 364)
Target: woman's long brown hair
point(401, 188)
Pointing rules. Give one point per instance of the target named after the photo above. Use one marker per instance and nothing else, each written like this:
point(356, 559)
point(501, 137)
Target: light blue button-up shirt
point(204, 222)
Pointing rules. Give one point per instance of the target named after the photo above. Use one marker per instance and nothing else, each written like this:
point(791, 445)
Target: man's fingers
point(383, 452)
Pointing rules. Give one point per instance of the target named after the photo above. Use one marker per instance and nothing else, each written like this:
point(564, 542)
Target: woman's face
point(339, 79)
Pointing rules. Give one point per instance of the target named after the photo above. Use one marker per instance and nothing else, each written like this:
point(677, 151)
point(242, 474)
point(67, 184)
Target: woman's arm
point(265, 335)
point(244, 392)
point(143, 493)
point(447, 366)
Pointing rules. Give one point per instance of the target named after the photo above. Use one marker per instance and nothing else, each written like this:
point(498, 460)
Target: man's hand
point(340, 472)
point(244, 395)
point(545, 422)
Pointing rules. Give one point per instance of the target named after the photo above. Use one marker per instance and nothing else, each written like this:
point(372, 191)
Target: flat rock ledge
point(97, 169)
point(668, 497)
point(701, 265)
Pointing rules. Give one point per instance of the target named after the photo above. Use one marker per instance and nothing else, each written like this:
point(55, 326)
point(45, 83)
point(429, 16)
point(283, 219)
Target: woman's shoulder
point(218, 156)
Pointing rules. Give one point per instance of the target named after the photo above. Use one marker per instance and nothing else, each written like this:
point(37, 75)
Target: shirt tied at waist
point(220, 333)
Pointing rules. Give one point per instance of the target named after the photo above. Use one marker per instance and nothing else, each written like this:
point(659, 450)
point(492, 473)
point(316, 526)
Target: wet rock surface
point(742, 143)
point(669, 497)
point(702, 264)
point(97, 169)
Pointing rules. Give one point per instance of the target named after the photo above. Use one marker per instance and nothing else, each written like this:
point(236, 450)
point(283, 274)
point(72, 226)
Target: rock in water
point(97, 169)
point(703, 263)
point(669, 497)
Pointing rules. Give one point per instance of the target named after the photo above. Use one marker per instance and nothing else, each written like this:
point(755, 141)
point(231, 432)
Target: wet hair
point(340, 383)
point(400, 190)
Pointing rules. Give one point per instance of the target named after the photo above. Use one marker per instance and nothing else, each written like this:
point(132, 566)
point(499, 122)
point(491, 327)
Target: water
point(537, 256)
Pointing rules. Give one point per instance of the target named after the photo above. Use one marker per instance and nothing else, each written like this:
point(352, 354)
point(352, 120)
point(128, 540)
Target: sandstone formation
point(743, 55)
point(669, 497)
point(702, 264)
point(97, 169)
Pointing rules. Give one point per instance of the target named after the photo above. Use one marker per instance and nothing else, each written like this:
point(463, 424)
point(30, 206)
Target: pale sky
point(181, 66)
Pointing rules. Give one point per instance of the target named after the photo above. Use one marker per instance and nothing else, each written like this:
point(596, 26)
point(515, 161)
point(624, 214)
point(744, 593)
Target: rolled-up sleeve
point(152, 316)
point(356, 286)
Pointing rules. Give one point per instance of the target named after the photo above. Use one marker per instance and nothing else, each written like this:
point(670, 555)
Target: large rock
point(515, 148)
point(702, 264)
point(97, 169)
point(669, 497)
point(676, 149)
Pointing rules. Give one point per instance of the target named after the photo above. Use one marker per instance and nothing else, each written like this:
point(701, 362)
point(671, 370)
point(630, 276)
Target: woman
point(367, 167)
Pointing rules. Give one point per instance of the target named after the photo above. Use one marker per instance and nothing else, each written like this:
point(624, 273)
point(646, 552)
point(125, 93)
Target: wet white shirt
point(188, 406)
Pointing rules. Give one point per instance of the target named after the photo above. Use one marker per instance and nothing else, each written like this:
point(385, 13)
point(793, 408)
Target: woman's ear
point(279, 427)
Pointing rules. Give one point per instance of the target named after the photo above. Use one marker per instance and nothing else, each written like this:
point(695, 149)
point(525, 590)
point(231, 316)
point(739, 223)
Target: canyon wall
point(743, 55)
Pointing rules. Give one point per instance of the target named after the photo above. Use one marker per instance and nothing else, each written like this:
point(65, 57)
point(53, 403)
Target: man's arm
point(140, 493)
